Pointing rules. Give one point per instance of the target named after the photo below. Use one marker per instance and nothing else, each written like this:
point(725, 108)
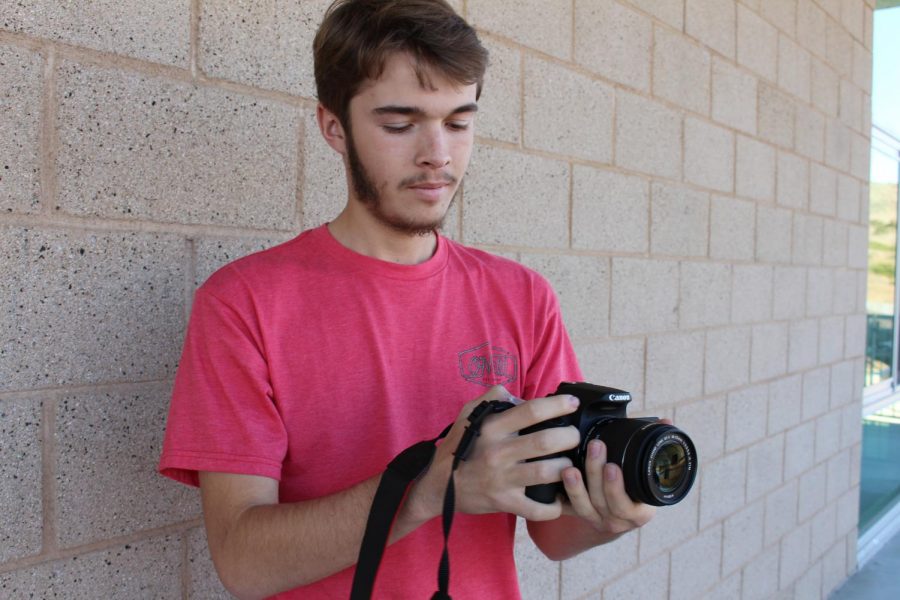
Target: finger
point(666, 421)
point(579, 500)
point(621, 506)
point(537, 444)
point(540, 471)
point(594, 464)
point(533, 412)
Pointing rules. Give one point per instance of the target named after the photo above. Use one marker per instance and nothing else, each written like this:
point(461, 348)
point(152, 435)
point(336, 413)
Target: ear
point(331, 129)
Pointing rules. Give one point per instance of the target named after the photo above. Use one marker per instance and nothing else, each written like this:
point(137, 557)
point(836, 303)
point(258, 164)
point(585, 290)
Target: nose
point(434, 149)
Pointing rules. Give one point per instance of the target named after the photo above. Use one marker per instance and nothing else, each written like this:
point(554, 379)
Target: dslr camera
point(658, 461)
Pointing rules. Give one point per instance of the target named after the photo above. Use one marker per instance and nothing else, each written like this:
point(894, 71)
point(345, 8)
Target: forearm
point(566, 536)
point(269, 548)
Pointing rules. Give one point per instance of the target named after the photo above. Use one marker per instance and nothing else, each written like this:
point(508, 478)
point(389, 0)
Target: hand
point(603, 502)
point(494, 476)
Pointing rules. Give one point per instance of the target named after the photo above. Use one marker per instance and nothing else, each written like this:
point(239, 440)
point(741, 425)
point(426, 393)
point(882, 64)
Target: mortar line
point(50, 533)
point(49, 193)
point(195, 39)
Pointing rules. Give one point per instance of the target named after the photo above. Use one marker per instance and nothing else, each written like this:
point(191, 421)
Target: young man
point(309, 366)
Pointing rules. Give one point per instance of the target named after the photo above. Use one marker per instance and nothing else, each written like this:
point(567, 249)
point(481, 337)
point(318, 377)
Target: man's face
point(408, 146)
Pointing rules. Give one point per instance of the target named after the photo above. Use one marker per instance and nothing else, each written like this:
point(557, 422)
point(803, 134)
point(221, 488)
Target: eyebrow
point(415, 111)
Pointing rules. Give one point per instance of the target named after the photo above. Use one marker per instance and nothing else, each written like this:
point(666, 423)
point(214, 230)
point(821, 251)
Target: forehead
point(400, 85)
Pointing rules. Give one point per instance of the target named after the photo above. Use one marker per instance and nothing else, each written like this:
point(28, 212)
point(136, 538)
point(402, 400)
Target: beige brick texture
point(691, 176)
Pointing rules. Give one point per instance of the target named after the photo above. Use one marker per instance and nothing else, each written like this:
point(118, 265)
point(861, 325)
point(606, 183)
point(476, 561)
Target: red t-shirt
point(315, 366)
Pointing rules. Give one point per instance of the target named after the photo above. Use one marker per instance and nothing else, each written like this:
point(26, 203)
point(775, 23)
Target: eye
point(397, 128)
point(458, 125)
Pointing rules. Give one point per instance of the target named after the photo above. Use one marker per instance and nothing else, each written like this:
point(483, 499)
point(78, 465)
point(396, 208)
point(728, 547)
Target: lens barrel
point(658, 461)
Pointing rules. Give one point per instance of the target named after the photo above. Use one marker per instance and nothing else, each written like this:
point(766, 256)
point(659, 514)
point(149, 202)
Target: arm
point(260, 547)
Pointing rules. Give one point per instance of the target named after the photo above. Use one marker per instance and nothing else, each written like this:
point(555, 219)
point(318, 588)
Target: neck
point(365, 235)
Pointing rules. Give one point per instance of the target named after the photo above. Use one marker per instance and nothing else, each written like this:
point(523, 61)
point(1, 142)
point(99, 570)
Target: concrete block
point(727, 359)
point(825, 88)
point(708, 155)
point(809, 585)
point(675, 368)
point(712, 23)
point(776, 116)
point(855, 336)
point(781, 13)
point(811, 27)
point(837, 145)
point(733, 96)
point(746, 417)
point(538, 577)
point(834, 568)
point(768, 357)
point(835, 238)
point(582, 284)
point(211, 254)
point(781, 512)
point(820, 292)
point(816, 389)
point(500, 104)
point(679, 222)
point(851, 434)
point(760, 576)
point(113, 440)
point(810, 128)
point(136, 147)
point(280, 55)
point(850, 110)
point(705, 295)
point(324, 184)
point(765, 462)
point(751, 293)
point(803, 350)
point(157, 32)
point(21, 86)
point(823, 190)
point(732, 229)
point(838, 478)
point(644, 296)
point(696, 564)
point(742, 537)
point(650, 581)
point(580, 574)
point(799, 446)
point(795, 557)
point(848, 198)
point(681, 71)
point(668, 11)
point(792, 188)
point(857, 246)
point(148, 568)
point(544, 25)
point(831, 339)
point(204, 582)
point(648, 136)
point(726, 589)
point(861, 73)
point(842, 391)
point(616, 363)
point(859, 156)
point(812, 492)
point(537, 187)
point(21, 521)
point(789, 297)
point(785, 403)
point(614, 41)
point(828, 435)
point(757, 44)
point(807, 238)
point(670, 527)
point(609, 211)
point(848, 512)
point(774, 231)
point(114, 300)
point(584, 129)
point(754, 169)
point(705, 420)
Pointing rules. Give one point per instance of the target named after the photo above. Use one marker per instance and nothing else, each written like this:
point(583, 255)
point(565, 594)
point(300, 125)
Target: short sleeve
point(222, 416)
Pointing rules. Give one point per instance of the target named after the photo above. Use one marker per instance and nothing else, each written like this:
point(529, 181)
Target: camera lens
point(658, 461)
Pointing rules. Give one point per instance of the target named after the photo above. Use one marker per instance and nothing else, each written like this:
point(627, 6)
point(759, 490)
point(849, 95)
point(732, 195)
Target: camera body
point(658, 461)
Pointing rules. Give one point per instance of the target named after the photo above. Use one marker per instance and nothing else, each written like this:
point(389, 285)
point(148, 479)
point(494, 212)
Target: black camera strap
point(400, 472)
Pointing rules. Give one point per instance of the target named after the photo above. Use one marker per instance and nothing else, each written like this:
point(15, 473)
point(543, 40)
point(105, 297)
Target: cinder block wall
point(690, 174)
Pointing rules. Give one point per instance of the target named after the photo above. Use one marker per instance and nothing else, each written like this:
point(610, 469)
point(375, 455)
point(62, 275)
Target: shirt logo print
point(488, 365)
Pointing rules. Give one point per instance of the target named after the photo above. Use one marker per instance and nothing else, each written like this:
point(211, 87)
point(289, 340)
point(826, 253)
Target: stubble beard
point(369, 195)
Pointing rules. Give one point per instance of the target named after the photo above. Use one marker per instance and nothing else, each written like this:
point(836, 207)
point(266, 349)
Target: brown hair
point(357, 36)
